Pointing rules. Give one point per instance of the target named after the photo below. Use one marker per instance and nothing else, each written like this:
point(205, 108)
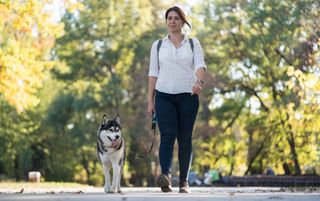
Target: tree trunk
point(294, 153)
point(253, 158)
point(85, 164)
point(290, 138)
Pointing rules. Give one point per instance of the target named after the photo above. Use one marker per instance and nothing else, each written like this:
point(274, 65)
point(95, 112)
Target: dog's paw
point(107, 189)
point(114, 190)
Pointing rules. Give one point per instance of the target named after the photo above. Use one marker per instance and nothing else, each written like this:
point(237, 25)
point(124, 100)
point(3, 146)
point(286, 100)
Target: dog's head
point(110, 131)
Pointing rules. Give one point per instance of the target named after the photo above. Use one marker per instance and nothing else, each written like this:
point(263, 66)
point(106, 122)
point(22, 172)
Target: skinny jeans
point(176, 115)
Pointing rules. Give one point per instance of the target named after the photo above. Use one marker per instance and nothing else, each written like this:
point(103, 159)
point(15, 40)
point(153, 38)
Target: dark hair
point(180, 13)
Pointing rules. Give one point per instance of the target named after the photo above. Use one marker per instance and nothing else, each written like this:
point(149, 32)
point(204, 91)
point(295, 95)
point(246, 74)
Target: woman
point(176, 77)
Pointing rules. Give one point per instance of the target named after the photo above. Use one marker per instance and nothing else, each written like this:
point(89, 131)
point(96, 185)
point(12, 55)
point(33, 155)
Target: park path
point(154, 194)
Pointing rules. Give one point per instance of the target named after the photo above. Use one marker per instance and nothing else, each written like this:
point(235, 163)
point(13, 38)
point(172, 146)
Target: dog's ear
point(117, 119)
point(104, 120)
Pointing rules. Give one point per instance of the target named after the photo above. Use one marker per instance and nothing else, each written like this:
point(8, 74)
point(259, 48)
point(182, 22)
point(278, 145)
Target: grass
point(41, 185)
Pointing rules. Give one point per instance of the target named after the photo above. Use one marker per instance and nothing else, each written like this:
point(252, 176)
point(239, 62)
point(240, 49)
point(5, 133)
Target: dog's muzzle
point(115, 143)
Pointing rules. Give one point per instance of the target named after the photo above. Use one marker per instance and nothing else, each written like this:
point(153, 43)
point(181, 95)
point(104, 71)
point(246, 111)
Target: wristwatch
point(201, 82)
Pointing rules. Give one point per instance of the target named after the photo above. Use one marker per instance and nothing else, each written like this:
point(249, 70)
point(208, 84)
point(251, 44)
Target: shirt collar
point(185, 38)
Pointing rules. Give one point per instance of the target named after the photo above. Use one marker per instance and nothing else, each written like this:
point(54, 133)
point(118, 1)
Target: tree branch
point(283, 56)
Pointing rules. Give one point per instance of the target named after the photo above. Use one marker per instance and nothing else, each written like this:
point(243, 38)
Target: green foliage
point(102, 50)
point(254, 49)
point(17, 134)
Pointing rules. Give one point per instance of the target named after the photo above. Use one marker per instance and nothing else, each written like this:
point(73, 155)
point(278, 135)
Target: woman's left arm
point(197, 87)
point(200, 67)
point(200, 73)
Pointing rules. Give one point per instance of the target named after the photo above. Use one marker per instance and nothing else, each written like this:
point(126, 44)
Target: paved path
point(153, 194)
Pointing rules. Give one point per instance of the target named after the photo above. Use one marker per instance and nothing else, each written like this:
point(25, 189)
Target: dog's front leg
point(107, 181)
point(119, 186)
point(115, 178)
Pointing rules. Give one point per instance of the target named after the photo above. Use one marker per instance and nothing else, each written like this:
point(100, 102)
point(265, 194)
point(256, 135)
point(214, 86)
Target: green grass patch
point(41, 185)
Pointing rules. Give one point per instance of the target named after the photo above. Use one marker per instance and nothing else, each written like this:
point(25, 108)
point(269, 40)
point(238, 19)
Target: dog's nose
point(117, 137)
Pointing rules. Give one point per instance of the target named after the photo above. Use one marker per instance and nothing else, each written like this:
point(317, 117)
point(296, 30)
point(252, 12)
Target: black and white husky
point(111, 152)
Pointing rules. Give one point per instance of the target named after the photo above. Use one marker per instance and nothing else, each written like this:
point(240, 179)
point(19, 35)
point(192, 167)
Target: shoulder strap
point(158, 49)
point(191, 44)
point(192, 47)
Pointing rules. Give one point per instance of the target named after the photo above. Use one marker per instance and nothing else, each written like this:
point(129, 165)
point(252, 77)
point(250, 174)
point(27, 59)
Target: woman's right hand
point(151, 92)
point(150, 108)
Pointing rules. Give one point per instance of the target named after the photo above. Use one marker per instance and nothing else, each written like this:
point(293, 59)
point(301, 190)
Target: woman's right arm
point(153, 76)
point(151, 90)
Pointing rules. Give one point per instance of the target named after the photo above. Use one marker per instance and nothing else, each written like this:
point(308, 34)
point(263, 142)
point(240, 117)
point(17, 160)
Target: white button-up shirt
point(177, 65)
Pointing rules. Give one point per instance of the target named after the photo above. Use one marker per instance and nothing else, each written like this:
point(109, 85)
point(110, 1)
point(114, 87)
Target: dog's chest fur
point(110, 155)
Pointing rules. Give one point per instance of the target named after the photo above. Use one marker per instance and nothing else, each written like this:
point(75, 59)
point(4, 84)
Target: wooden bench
point(270, 180)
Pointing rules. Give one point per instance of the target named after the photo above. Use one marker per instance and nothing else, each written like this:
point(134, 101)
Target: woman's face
point(174, 22)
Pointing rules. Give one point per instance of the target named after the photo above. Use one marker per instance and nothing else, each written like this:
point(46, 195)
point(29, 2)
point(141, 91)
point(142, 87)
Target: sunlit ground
point(44, 185)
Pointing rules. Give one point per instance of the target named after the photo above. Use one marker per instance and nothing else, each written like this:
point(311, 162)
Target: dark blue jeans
point(176, 114)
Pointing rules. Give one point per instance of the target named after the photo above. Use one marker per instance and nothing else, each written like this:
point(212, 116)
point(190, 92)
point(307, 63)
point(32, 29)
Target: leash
point(153, 127)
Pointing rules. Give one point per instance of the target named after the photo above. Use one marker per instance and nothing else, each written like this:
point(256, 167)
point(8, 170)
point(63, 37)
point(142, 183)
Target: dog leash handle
point(153, 127)
point(154, 121)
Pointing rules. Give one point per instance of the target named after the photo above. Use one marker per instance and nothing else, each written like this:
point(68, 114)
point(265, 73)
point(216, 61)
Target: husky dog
point(111, 152)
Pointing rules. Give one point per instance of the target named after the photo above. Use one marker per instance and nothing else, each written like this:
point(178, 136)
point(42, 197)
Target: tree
point(256, 52)
point(27, 34)
point(101, 49)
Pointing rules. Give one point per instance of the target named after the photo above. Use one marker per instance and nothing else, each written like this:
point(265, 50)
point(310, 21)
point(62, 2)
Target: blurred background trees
point(259, 109)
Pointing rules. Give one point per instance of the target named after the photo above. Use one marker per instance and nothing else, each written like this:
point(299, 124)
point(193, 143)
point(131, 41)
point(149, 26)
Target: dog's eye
point(110, 129)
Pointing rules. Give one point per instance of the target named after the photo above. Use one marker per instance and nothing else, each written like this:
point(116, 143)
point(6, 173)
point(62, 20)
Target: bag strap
point(158, 49)
point(192, 47)
point(191, 44)
point(160, 43)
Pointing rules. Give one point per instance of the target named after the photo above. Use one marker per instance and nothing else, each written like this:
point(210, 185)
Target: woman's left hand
point(196, 88)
